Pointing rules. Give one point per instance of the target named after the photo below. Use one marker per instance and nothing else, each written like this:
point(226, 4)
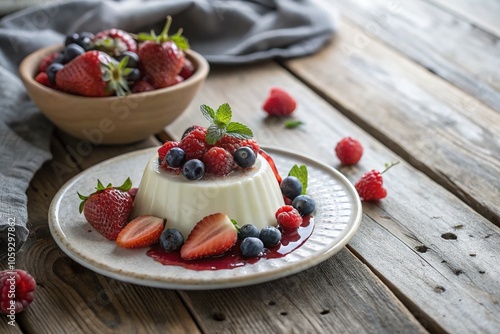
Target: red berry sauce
point(290, 241)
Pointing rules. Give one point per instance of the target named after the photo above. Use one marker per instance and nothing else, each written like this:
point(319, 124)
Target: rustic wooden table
point(416, 81)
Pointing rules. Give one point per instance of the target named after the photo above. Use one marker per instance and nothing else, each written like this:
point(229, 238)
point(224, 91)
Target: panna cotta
point(248, 196)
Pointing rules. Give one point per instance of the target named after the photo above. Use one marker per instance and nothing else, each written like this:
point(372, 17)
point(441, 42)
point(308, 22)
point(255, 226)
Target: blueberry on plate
point(193, 169)
point(291, 187)
point(175, 157)
point(251, 247)
point(304, 204)
point(171, 239)
point(270, 236)
point(248, 230)
point(244, 157)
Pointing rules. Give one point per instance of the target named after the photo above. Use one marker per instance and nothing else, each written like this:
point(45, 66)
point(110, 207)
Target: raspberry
point(218, 161)
point(194, 144)
point(230, 144)
point(289, 219)
point(46, 61)
point(279, 103)
point(252, 144)
point(284, 208)
point(142, 86)
point(191, 128)
point(349, 151)
point(24, 285)
point(162, 151)
point(43, 79)
point(369, 186)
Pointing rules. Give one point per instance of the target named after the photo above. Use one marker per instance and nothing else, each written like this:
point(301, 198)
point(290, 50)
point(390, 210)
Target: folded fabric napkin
point(224, 31)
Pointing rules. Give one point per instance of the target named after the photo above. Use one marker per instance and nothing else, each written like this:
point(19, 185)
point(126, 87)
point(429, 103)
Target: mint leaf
point(239, 130)
point(208, 112)
point(223, 115)
point(291, 124)
point(300, 172)
point(214, 134)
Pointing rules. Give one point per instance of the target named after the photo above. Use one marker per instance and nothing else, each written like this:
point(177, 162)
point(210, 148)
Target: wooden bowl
point(112, 120)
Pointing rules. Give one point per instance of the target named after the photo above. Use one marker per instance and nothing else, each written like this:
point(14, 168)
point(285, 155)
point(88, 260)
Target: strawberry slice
point(142, 231)
point(213, 235)
point(279, 103)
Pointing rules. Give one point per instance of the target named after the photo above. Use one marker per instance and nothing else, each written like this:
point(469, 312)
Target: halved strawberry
point(213, 235)
point(142, 231)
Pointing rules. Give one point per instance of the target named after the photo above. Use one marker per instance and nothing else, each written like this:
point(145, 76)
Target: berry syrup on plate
point(290, 240)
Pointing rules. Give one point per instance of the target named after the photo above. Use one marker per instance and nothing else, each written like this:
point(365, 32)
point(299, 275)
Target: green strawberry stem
point(389, 166)
point(163, 37)
point(235, 223)
point(100, 187)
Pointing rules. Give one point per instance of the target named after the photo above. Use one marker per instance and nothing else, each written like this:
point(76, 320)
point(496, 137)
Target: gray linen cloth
point(224, 31)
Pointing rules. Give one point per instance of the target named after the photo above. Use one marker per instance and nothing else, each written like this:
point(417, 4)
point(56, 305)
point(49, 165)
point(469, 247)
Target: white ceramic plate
point(337, 217)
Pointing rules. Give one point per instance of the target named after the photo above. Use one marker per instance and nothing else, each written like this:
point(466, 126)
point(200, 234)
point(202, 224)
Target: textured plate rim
point(183, 284)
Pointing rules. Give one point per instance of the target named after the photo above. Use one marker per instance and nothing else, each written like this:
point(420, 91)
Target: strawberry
point(218, 161)
point(370, 185)
point(108, 208)
point(114, 42)
point(43, 79)
point(162, 56)
point(349, 151)
point(94, 73)
point(279, 103)
point(141, 232)
point(46, 61)
point(187, 69)
point(213, 235)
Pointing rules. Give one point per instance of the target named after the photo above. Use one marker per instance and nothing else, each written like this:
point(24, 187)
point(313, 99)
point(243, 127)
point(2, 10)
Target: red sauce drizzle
point(290, 240)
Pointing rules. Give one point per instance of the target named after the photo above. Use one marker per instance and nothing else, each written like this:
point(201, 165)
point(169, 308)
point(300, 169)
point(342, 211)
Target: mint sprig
point(221, 124)
point(300, 172)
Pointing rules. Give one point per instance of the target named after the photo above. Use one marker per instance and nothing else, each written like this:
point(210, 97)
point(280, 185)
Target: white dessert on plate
point(249, 196)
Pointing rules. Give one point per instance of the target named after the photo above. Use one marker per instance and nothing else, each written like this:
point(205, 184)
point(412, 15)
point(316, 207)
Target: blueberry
point(85, 40)
point(193, 169)
point(304, 204)
point(133, 58)
point(59, 58)
point(71, 39)
point(171, 239)
point(134, 75)
point(270, 236)
point(244, 157)
point(291, 187)
point(71, 52)
point(175, 157)
point(247, 231)
point(52, 70)
point(251, 247)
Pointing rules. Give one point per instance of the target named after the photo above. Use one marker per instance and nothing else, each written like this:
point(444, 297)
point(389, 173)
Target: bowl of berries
point(114, 87)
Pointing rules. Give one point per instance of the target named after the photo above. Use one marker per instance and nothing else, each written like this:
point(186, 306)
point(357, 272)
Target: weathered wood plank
point(71, 298)
point(430, 36)
point(337, 296)
point(414, 113)
point(483, 14)
point(418, 208)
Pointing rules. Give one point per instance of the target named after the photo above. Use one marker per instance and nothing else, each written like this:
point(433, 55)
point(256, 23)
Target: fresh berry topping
point(193, 169)
point(142, 86)
point(114, 42)
point(284, 208)
point(213, 235)
point(370, 185)
point(24, 290)
point(163, 150)
point(279, 103)
point(221, 125)
point(187, 69)
point(93, 74)
point(248, 230)
point(290, 219)
point(46, 61)
point(252, 144)
point(349, 151)
point(245, 157)
point(162, 56)
point(231, 144)
point(251, 247)
point(271, 163)
point(218, 161)
point(43, 79)
point(270, 236)
point(191, 128)
point(175, 157)
point(108, 208)
point(291, 187)
point(304, 204)
point(72, 51)
point(194, 144)
point(51, 71)
point(171, 240)
point(141, 232)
